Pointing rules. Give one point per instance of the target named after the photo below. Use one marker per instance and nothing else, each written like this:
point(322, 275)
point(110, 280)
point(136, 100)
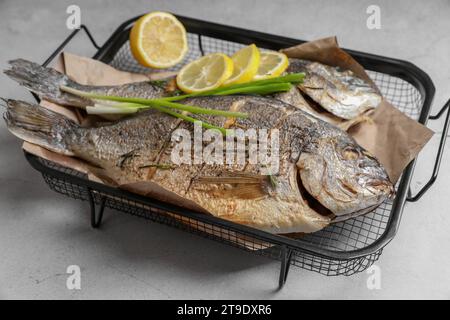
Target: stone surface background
point(41, 232)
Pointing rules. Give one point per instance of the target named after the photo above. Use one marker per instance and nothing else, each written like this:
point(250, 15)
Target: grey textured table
point(41, 232)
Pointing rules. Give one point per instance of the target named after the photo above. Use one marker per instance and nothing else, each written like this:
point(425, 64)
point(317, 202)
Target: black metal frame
point(401, 69)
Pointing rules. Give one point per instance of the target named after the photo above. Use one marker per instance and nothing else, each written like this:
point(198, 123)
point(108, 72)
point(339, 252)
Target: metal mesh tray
point(340, 249)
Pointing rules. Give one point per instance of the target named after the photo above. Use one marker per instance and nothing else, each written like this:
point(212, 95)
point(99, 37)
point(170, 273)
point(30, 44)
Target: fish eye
point(350, 153)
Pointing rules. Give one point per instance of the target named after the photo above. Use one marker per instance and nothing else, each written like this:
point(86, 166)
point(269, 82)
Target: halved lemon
point(158, 40)
point(246, 63)
point(272, 64)
point(206, 73)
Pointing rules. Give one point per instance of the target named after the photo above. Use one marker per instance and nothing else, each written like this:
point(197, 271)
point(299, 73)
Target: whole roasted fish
point(321, 168)
point(338, 91)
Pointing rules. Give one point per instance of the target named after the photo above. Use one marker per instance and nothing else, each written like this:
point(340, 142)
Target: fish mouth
point(381, 187)
point(314, 105)
point(312, 202)
point(354, 214)
point(386, 188)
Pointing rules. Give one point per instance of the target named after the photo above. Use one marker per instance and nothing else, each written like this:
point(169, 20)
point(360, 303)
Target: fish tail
point(38, 125)
point(45, 82)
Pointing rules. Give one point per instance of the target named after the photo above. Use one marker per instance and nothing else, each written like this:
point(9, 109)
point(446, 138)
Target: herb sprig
point(108, 104)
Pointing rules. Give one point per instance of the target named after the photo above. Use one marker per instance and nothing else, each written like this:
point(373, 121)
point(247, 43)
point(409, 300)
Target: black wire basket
point(341, 249)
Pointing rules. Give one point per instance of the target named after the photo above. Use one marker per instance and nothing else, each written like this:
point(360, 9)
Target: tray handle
point(440, 152)
point(67, 40)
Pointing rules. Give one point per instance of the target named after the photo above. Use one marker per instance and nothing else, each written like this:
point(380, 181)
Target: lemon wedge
point(158, 40)
point(206, 73)
point(246, 63)
point(272, 64)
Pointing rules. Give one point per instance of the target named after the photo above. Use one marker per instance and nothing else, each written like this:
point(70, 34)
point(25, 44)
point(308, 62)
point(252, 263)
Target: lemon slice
point(272, 64)
point(206, 73)
point(158, 40)
point(246, 63)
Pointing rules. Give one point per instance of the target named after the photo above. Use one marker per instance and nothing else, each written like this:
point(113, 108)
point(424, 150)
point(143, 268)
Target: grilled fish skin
point(327, 162)
point(338, 91)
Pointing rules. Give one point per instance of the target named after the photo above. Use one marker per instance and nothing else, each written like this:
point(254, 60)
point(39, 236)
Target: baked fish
point(323, 173)
point(338, 91)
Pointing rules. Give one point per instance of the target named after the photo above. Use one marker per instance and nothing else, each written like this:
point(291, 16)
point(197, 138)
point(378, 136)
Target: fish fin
point(249, 191)
point(38, 125)
point(243, 185)
point(45, 82)
point(239, 191)
point(236, 179)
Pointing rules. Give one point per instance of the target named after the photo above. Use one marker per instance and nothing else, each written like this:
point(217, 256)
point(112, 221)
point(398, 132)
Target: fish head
point(338, 91)
point(343, 177)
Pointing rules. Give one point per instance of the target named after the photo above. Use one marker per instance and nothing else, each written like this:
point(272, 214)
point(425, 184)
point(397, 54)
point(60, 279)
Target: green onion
point(197, 110)
point(264, 89)
point(153, 102)
point(204, 124)
point(158, 165)
point(110, 109)
point(134, 106)
point(272, 181)
point(290, 78)
point(121, 105)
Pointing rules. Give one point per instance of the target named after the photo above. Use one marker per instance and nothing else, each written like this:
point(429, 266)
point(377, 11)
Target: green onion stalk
point(105, 104)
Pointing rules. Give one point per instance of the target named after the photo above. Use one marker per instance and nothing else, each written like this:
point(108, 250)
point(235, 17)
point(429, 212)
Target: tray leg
point(286, 256)
point(96, 219)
